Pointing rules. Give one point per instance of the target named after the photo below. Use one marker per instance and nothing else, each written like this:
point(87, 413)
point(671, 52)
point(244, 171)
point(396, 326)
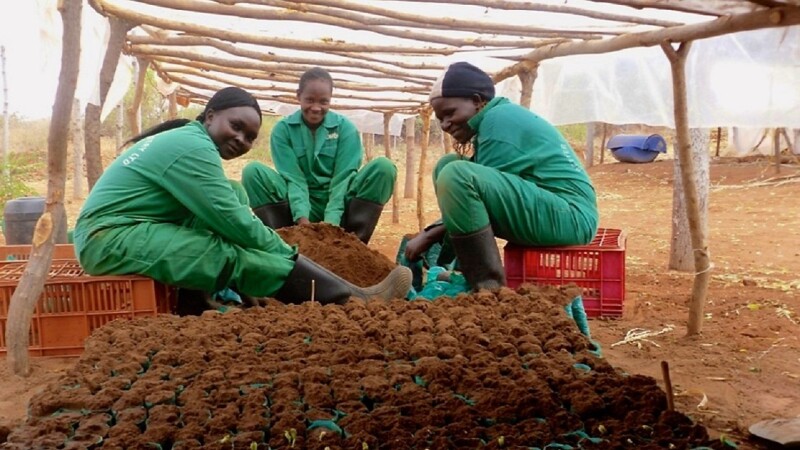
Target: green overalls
point(317, 171)
point(165, 209)
point(524, 179)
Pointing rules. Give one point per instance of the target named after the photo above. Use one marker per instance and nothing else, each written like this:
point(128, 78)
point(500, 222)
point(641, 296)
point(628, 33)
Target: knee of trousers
point(443, 162)
point(456, 178)
point(384, 167)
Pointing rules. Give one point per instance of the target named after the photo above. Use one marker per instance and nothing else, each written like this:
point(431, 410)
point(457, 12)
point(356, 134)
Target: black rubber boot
point(330, 288)
point(479, 259)
point(275, 215)
point(361, 217)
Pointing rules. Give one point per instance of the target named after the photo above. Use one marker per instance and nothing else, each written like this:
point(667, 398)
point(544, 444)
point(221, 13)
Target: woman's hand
point(303, 221)
point(418, 245)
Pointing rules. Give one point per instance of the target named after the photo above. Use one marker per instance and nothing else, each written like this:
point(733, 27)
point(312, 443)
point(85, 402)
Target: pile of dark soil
point(339, 251)
point(505, 370)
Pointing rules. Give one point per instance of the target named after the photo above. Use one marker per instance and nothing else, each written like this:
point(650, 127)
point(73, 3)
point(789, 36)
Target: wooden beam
point(347, 20)
point(265, 56)
point(172, 73)
point(111, 9)
point(559, 9)
point(252, 69)
point(292, 100)
point(344, 7)
point(777, 17)
point(702, 262)
point(688, 7)
point(151, 51)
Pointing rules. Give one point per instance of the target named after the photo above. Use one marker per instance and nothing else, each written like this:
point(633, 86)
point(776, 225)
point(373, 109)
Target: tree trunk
point(93, 153)
point(410, 126)
point(31, 284)
point(697, 229)
point(387, 148)
point(77, 151)
point(425, 113)
point(681, 256)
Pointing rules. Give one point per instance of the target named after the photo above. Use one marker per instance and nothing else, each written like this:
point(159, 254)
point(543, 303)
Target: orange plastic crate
point(73, 304)
point(597, 268)
point(23, 252)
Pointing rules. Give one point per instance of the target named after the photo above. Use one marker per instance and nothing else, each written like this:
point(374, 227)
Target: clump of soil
point(487, 370)
point(339, 251)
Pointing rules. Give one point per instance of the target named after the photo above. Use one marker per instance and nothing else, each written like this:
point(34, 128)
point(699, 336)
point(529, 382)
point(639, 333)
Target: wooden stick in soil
point(313, 290)
point(668, 386)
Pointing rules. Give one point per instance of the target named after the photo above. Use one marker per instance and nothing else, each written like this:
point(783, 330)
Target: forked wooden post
point(425, 114)
point(702, 262)
point(31, 283)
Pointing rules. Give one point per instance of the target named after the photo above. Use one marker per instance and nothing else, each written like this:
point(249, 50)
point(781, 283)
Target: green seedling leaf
point(727, 442)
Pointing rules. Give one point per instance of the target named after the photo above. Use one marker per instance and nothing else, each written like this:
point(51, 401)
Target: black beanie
point(229, 97)
point(462, 79)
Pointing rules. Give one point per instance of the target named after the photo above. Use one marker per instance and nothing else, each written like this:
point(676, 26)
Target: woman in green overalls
point(317, 155)
point(165, 209)
point(514, 176)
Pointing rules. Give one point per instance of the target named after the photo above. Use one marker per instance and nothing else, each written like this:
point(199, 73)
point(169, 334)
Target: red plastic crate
point(598, 269)
point(73, 304)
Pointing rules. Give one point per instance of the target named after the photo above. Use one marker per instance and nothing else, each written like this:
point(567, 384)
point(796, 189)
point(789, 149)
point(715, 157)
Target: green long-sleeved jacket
point(317, 165)
point(173, 177)
point(514, 140)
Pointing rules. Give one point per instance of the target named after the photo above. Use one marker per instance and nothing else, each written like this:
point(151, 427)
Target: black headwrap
point(462, 79)
point(229, 97)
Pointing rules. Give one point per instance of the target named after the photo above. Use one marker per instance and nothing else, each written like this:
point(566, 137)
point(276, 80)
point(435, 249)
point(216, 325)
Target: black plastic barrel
point(19, 219)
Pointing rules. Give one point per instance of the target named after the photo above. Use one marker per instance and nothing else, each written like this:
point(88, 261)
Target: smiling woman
point(317, 175)
point(165, 209)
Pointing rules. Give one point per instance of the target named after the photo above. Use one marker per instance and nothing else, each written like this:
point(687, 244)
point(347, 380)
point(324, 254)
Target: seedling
point(291, 436)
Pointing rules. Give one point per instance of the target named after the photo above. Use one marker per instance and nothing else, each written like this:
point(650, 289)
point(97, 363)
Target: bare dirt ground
point(744, 367)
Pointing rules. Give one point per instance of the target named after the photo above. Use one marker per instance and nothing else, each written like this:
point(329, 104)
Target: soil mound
point(505, 370)
point(339, 251)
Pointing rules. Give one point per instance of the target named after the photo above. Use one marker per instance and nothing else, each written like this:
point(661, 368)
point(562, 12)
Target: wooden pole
point(719, 139)
point(603, 142)
point(702, 261)
point(589, 160)
point(119, 127)
point(387, 149)
point(410, 125)
point(527, 77)
point(77, 151)
point(425, 114)
point(135, 110)
point(448, 143)
point(6, 166)
point(173, 105)
point(31, 284)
